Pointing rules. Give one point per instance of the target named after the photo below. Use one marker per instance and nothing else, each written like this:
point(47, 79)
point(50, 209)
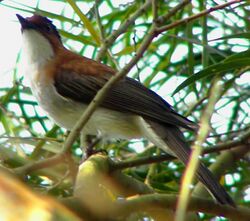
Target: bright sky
point(9, 43)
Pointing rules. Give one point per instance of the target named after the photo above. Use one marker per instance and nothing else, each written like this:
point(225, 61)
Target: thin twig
point(102, 34)
point(123, 27)
point(196, 152)
point(98, 21)
point(52, 161)
point(241, 141)
point(193, 17)
point(38, 148)
point(225, 161)
point(155, 10)
point(164, 18)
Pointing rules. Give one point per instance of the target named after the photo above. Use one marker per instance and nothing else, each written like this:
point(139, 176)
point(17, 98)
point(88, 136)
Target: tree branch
point(224, 162)
point(149, 202)
point(193, 17)
point(57, 159)
point(162, 19)
point(123, 27)
point(241, 141)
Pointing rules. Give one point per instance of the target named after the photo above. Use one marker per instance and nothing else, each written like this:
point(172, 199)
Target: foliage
point(186, 59)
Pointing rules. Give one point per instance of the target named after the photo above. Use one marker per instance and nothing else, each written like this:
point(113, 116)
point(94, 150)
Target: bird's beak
point(25, 23)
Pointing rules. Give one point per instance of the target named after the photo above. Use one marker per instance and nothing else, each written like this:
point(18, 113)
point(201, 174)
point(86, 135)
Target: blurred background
point(26, 134)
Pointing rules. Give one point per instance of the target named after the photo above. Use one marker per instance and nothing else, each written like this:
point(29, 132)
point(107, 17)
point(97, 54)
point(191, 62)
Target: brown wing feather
point(127, 95)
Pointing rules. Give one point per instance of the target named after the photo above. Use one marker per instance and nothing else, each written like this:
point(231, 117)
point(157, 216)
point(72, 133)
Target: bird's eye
point(48, 28)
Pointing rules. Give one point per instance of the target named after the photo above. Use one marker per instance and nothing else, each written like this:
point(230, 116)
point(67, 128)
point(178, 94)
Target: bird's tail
point(168, 137)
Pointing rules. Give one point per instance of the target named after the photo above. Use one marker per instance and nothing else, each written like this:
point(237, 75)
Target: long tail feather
point(175, 141)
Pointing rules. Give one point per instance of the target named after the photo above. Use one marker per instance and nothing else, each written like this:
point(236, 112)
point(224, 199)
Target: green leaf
point(86, 22)
point(238, 35)
point(230, 63)
point(83, 39)
point(244, 54)
point(28, 9)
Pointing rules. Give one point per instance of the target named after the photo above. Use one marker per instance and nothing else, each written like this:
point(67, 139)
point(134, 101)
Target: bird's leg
point(88, 143)
point(92, 141)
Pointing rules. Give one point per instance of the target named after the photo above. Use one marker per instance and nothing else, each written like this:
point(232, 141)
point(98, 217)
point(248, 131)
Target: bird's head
point(41, 25)
point(40, 36)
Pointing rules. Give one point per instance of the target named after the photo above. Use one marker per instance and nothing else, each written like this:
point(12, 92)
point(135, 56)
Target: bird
point(64, 83)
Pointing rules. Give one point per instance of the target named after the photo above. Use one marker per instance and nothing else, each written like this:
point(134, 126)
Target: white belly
point(65, 113)
point(108, 123)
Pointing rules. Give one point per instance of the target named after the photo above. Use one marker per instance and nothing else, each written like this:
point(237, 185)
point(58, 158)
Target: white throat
point(37, 50)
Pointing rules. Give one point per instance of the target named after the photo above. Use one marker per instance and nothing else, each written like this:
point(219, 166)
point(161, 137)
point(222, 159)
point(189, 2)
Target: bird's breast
point(66, 112)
